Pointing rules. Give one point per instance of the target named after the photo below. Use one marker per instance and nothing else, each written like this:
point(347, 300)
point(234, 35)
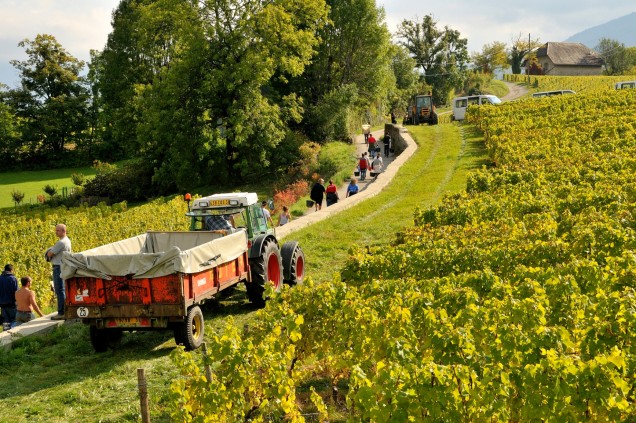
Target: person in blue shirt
point(352, 188)
point(8, 288)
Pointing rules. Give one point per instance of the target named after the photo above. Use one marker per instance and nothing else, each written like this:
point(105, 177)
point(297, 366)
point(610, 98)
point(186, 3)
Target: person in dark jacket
point(8, 288)
point(317, 193)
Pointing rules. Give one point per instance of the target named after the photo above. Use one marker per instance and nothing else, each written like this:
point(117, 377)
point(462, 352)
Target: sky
point(82, 25)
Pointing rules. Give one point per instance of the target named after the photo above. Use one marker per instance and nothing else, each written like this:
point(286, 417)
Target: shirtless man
point(25, 302)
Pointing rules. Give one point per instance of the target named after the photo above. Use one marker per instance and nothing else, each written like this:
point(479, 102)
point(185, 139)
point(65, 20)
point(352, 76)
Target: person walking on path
point(331, 193)
point(352, 188)
point(267, 214)
point(54, 254)
point(387, 144)
point(371, 145)
point(366, 130)
point(284, 216)
point(317, 193)
point(377, 165)
point(25, 300)
point(363, 165)
point(8, 288)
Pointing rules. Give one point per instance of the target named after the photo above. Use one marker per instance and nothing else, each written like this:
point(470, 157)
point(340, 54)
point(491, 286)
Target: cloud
point(487, 21)
point(78, 25)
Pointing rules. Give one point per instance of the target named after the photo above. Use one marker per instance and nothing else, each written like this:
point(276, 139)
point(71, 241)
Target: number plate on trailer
point(128, 322)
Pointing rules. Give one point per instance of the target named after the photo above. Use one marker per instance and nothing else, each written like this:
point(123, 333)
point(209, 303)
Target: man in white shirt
point(266, 213)
point(54, 254)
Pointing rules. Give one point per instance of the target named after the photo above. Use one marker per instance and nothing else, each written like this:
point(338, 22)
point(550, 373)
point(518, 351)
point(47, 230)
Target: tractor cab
point(241, 210)
point(421, 110)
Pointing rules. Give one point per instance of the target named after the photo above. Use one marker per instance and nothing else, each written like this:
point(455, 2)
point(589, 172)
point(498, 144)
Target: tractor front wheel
point(267, 267)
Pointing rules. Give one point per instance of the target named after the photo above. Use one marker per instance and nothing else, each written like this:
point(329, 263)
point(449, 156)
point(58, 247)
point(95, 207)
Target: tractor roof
point(234, 199)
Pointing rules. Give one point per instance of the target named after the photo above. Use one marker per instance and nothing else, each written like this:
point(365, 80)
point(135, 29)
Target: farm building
point(569, 59)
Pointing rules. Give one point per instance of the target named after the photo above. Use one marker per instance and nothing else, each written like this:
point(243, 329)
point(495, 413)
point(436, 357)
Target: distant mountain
point(620, 29)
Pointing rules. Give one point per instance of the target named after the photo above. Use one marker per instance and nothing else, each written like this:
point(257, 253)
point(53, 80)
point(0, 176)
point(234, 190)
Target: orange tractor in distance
point(421, 110)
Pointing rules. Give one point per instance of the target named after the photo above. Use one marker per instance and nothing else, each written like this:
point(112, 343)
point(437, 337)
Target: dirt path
point(515, 91)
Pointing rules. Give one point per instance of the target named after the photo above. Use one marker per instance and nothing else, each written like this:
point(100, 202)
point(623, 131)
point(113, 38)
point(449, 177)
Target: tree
point(52, 100)
point(9, 135)
point(441, 54)
point(406, 79)
point(491, 57)
point(215, 106)
point(350, 73)
point(518, 51)
point(616, 56)
point(119, 70)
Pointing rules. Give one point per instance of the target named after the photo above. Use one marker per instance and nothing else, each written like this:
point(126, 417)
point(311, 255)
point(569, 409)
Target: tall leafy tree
point(52, 100)
point(441, 54)
point(216, 105)
point(406, 79)
point(124, 65)
point(351, 71)
point(491, 57)
point(616, 56)
point(9, 135)
point(519, 50)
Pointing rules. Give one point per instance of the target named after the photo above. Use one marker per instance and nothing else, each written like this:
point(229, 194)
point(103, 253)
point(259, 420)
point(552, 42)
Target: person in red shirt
point(363, 165)
point(371, 145)
point(332, 193)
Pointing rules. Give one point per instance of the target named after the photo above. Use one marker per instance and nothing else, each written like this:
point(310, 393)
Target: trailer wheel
point(102, 339)
point(293, 263)
point(267, 267)
point(190, 332)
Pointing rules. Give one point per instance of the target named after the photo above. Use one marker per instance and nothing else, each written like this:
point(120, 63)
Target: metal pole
point(143, 395)
point(527, 64)
point(208, 371)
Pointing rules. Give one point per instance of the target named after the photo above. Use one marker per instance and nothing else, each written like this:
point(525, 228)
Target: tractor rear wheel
point(293, 263)
point(267, 267)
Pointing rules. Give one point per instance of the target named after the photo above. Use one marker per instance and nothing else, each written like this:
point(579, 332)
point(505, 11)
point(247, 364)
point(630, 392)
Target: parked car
point(552, 93)
point(460, 104)
point(625, 84)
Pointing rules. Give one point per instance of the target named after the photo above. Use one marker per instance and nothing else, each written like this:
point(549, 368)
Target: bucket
point(356, 173)
point(310, 203)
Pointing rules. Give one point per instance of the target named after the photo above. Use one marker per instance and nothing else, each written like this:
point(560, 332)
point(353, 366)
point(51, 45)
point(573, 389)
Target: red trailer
point(153, 281)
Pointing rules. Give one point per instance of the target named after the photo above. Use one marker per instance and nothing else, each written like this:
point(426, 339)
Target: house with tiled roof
point(571, 59)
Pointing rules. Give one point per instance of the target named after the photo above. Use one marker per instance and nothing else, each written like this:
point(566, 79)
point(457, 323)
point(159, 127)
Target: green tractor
point(268, 261)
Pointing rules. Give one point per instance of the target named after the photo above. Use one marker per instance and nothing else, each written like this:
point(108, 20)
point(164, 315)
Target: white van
point(460, 104)
point(625, 84)
point(551, 93)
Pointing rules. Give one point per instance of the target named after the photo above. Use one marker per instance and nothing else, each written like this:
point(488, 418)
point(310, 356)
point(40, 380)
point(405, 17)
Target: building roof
point(570, 54)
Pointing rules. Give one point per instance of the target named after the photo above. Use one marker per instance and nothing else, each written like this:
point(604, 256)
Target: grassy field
point(58, 377)
point(31, 183)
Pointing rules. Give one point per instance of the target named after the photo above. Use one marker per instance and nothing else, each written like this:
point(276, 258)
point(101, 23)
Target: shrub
point(131, 182)
point(103, 167)
point(78, 179)
point(290, 195)
point(50, 190)
point(17, 196)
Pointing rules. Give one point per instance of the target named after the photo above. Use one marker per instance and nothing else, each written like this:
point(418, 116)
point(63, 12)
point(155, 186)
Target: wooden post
point(143, 396)
point(208, 371)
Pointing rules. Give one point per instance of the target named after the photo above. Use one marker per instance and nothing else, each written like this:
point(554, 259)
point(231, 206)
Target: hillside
point(620, 29)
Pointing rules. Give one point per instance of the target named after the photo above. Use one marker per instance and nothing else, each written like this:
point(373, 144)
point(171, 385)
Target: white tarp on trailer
point(155, 254)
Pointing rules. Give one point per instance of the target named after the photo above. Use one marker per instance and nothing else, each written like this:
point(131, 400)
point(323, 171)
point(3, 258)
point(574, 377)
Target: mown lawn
point(31, 183)
point(58, 377)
